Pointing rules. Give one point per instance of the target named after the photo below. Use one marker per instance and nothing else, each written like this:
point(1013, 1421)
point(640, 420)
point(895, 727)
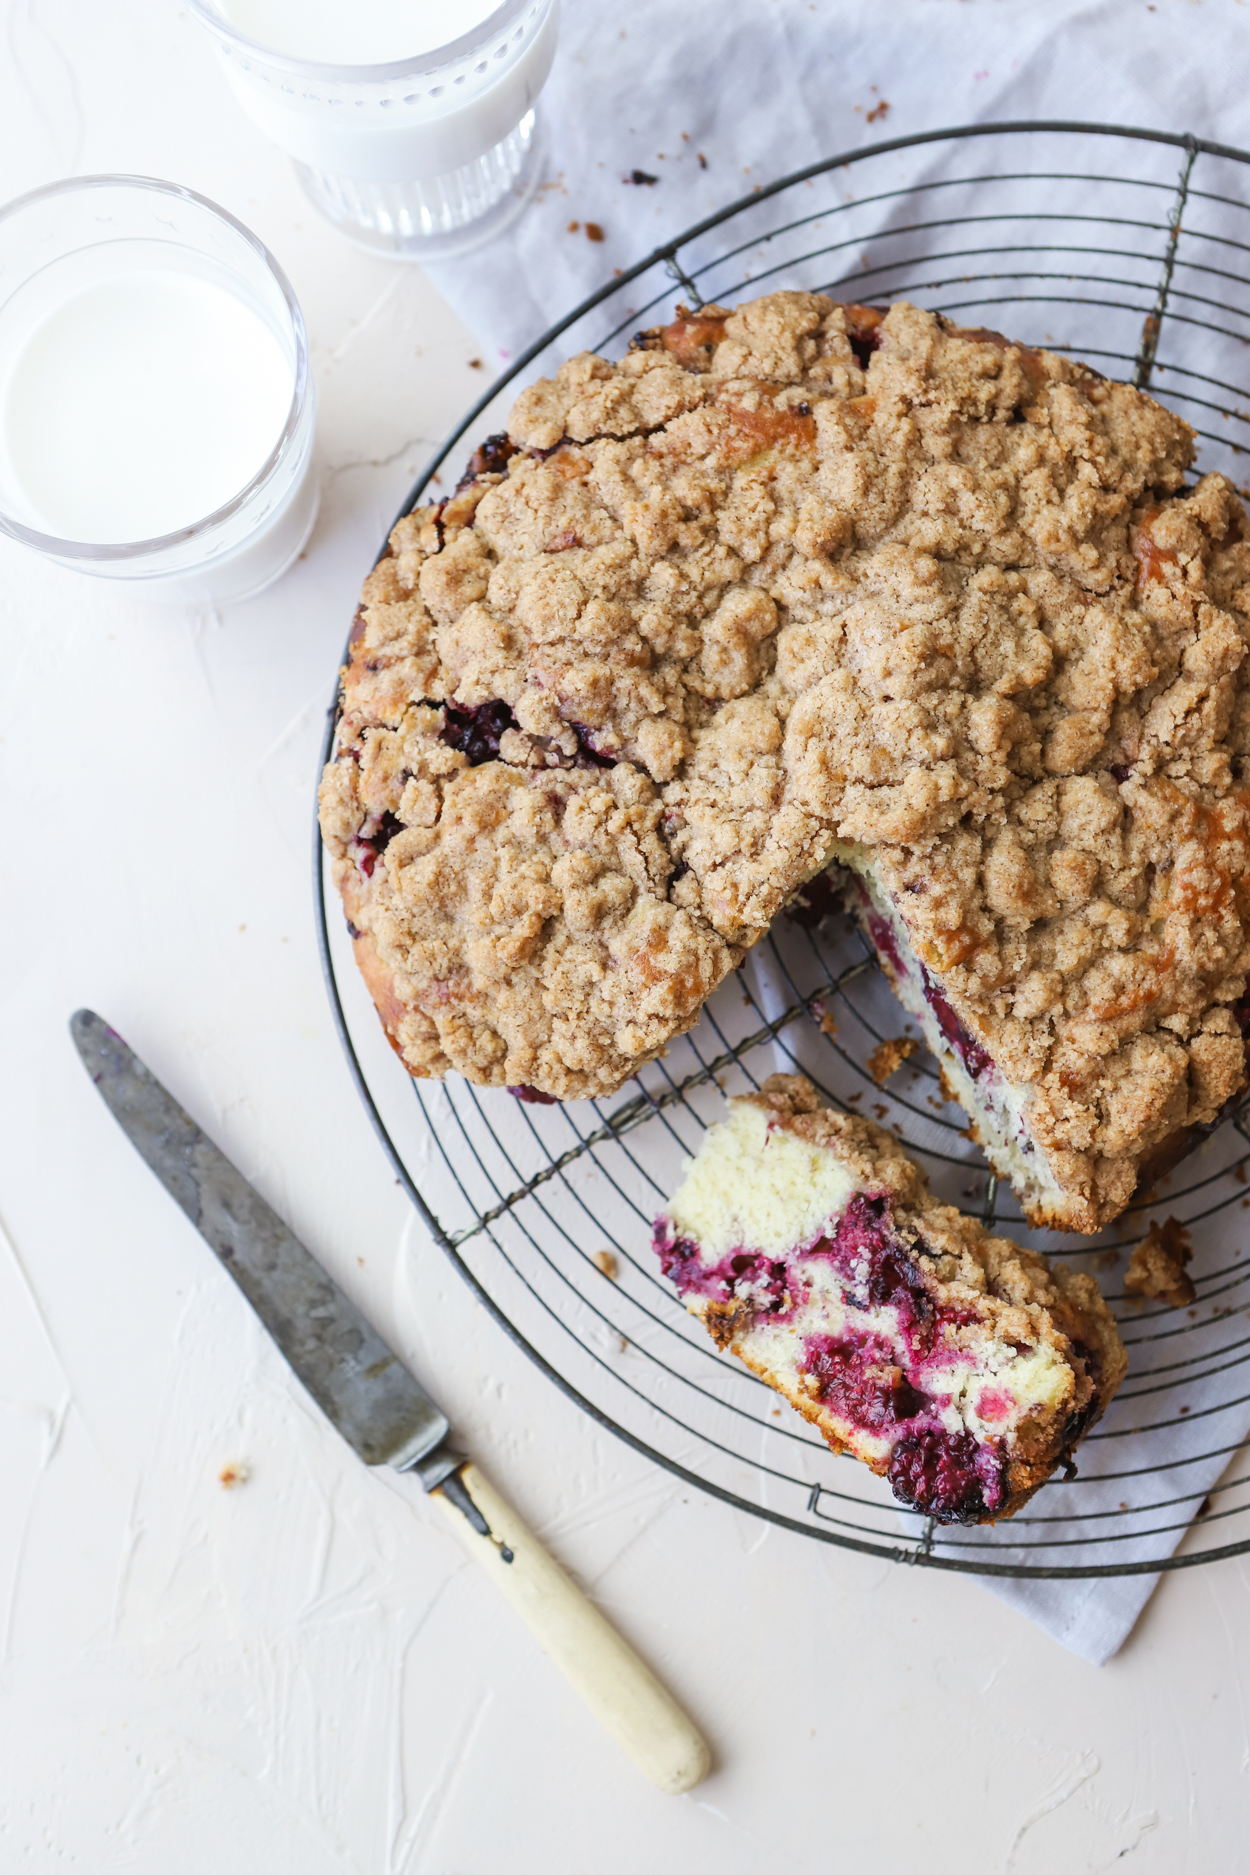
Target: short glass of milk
point(156, 411)
point(412, 123)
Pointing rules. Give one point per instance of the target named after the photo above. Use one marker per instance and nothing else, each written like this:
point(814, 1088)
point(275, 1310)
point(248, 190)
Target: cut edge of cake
point(996, 1106)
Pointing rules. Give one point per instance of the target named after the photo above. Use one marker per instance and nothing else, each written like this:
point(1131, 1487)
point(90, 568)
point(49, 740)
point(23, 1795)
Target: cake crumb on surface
point(888, 1057)
point(605, 1262)
point(1157, 1267)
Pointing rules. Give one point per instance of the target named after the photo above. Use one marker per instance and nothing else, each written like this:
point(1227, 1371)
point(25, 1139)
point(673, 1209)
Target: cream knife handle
point(623, 1694)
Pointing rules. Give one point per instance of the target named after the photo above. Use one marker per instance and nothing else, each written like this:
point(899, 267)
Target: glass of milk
point(156, 412)
point(411, 122)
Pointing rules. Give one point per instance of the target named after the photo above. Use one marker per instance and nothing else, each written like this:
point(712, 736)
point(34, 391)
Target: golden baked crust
point(957, 609)
point(511, 922)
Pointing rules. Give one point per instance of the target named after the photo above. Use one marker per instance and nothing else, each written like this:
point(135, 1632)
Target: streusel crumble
point(803, 583)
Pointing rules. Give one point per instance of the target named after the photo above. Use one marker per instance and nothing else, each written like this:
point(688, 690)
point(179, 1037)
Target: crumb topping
point(789, 575)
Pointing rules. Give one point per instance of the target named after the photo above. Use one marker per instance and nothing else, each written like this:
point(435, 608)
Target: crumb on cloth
point(888, 1057)
point(1157, 1267)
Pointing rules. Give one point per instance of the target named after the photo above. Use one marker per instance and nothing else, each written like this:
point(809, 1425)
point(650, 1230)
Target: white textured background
point(300, 1676)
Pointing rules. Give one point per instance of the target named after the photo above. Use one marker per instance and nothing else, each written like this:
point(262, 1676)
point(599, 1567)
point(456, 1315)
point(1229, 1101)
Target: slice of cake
point(1110, 1045)
point(960, 1366)
point(799, 582)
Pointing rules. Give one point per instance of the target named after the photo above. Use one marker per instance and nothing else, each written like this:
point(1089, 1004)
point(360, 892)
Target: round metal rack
point(1124, 247)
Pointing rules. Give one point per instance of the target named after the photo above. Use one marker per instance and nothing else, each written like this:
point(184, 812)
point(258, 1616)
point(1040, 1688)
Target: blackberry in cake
point(959, 1366)
point(801, 583)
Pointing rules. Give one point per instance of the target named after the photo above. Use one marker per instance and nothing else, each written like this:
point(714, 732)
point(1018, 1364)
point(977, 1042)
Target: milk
point(413, 129)
point(410, 121)
point(141, 405)
point(367, 32)
point(156, 411)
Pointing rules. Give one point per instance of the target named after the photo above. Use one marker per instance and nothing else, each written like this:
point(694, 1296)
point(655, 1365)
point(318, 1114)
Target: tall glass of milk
point(156, 412)
point(412, 123)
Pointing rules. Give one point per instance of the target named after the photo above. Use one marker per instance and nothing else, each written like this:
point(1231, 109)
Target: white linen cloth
point(763, 87)
point(714, 99)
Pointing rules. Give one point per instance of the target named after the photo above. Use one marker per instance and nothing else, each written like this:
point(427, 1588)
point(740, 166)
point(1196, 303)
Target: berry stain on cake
point(887, 1371)
point(959, 1366)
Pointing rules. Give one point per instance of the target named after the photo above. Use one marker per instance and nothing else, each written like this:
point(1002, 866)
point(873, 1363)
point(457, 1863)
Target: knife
point(386, 1417)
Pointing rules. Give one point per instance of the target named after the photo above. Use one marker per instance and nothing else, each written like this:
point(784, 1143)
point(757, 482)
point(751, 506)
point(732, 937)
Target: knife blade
point(356, 1380)
point(381, 1410)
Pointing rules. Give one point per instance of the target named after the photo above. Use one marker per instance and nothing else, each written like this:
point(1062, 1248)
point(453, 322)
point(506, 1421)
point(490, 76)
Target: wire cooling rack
point(1127, 248)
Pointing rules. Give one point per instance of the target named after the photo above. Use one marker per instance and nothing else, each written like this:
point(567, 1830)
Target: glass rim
point(433, 60)
point(53, 545)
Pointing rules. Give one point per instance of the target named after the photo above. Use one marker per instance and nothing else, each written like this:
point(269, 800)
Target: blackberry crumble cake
point(803, 584)
point(957, 1365)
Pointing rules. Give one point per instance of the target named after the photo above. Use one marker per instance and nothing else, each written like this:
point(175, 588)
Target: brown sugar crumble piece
point(1157, 1269)
point(888, 1057)
point(796, 586)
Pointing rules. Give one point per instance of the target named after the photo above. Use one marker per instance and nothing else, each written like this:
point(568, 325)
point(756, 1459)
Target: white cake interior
point(794, 1189)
